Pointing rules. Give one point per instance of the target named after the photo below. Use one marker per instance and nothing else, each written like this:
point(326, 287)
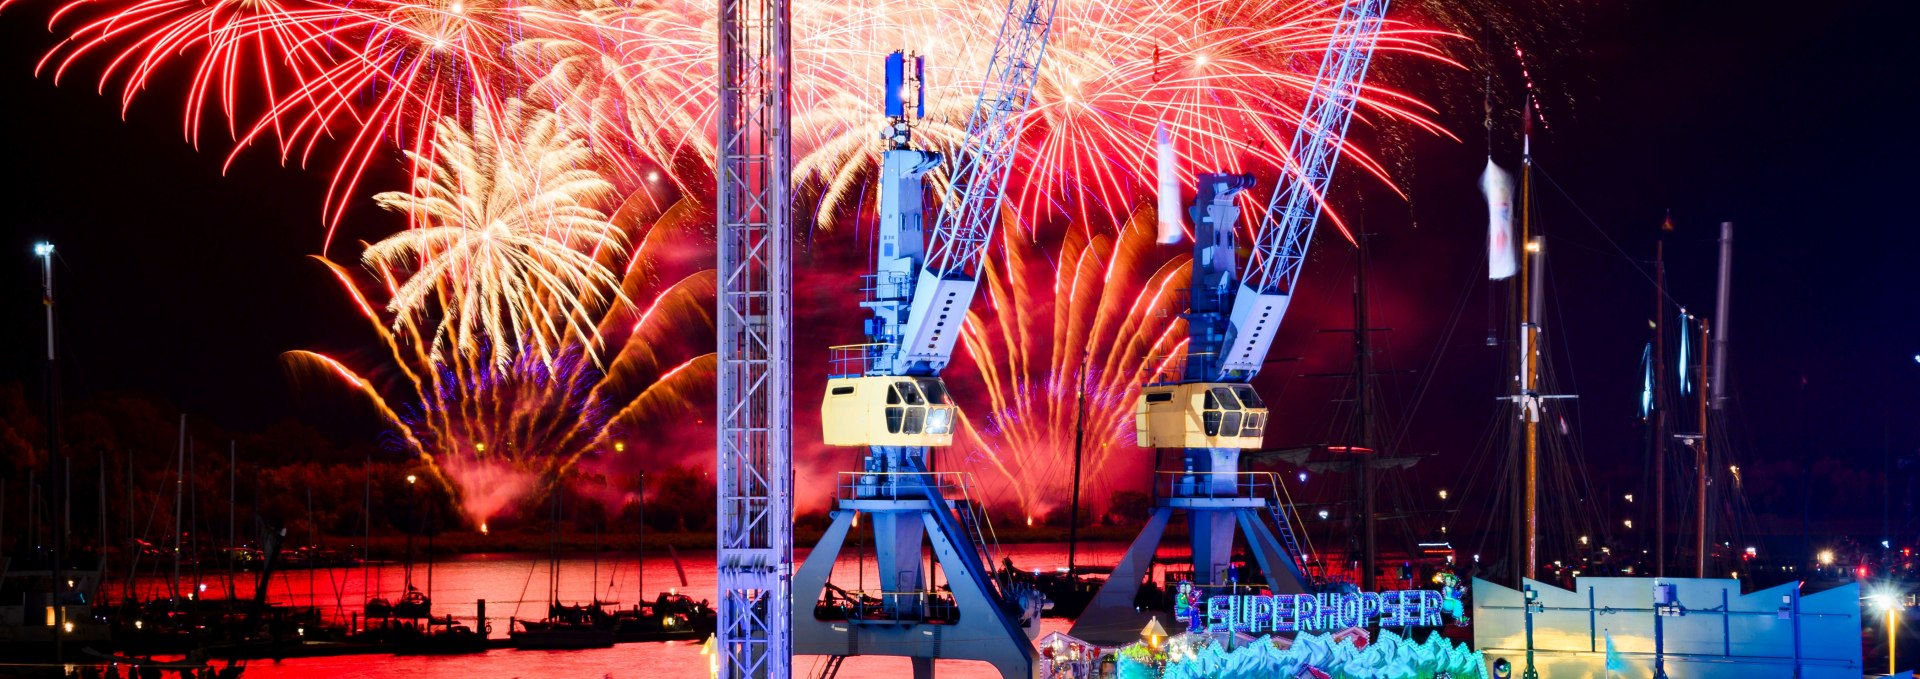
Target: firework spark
point(508, 239)
point(494, 430)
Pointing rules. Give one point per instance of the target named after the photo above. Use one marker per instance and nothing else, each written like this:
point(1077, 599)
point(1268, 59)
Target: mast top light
point(42, 249)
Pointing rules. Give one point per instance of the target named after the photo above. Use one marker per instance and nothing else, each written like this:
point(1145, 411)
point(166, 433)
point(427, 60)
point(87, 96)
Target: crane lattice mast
point(753, 203)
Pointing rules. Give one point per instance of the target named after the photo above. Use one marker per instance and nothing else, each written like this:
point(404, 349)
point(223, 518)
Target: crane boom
point(1286, 228)
point(976, 185)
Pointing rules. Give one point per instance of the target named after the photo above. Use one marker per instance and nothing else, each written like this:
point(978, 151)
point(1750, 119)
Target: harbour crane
point(1211, 410)
point(886, 395)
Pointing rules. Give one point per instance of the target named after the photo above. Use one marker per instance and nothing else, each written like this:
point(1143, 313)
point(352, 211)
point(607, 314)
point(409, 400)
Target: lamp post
point(1532, 597)
point(44, 250)
point(1890, 603)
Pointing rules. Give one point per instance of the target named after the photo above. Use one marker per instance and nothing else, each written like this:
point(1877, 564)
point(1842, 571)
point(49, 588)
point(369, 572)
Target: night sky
point(1792, 120)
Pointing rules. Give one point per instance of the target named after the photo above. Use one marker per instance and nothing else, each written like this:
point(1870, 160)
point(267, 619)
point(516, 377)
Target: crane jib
point(1287, 225)
point(976, 186)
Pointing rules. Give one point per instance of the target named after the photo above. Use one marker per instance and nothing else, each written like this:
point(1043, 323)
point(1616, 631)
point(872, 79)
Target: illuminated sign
point(1315, 612)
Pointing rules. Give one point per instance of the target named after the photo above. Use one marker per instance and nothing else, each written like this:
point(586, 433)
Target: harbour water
point(515, 585)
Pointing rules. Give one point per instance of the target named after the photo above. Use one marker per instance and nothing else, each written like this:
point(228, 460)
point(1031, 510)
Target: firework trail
point(1098, 311)
point(1224, 76)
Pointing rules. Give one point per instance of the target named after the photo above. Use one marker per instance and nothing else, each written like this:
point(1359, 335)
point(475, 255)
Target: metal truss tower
point(754, 206)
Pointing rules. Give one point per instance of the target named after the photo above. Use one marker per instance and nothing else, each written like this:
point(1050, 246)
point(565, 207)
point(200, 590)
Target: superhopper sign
point(1255, 614)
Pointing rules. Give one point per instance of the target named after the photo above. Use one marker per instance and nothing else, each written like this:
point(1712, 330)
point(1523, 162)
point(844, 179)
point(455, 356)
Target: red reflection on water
point(514, 585)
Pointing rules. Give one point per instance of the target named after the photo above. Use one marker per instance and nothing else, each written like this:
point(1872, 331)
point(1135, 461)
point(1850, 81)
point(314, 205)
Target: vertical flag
point(1646, 381)
point(1497, 185)
point(1615, 663)
point(1169, 208)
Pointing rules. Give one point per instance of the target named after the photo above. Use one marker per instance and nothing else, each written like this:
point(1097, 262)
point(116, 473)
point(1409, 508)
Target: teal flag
point(1615, 663)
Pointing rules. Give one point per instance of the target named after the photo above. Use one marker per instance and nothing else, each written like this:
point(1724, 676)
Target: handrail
point(856, 360)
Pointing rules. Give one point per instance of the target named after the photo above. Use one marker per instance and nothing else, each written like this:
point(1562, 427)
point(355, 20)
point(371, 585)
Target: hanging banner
point(1169, 186)
point(1497, 186)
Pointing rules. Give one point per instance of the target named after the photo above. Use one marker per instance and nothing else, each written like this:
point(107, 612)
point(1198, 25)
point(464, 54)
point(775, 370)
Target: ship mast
point(1659, 414)
point(1527, 400)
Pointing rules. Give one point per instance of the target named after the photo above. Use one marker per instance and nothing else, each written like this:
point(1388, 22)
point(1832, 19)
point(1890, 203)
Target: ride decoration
point(1390, 656)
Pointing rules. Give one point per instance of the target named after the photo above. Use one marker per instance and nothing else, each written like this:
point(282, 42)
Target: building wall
point(1722, 634)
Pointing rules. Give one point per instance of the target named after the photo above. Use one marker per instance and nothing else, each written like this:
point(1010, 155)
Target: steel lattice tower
point(753, 203)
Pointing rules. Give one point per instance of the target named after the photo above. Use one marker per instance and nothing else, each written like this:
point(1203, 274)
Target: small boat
point(573, 630)
point(413, 605)
point(671, 616)
point(443, 636)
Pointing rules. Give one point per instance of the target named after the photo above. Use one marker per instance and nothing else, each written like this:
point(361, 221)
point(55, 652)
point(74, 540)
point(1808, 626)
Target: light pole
point(1890, 602)
point(44, 250)
point(1532, 596)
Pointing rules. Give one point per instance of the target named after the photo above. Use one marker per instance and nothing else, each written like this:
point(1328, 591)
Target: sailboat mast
point(1079, 443)
point(1529, 368)
point(642, 551)
point(1702, 460)
point(1659, 413)
point(1363, 419)
point(179, 497)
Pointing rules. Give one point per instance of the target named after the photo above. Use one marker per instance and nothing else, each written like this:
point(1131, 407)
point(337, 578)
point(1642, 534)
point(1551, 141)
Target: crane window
point(908, 393)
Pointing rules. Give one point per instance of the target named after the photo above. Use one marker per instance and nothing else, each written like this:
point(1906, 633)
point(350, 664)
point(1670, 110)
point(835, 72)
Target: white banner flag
point(1498, 187)
point(1169, 208)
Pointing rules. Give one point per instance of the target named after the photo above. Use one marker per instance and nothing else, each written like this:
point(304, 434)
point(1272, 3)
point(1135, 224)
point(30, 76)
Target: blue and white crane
point(1211, 411)
point(886, 395)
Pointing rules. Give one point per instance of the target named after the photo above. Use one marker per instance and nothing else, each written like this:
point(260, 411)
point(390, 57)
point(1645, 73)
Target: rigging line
point(1635, 263)
point(1439, 354)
